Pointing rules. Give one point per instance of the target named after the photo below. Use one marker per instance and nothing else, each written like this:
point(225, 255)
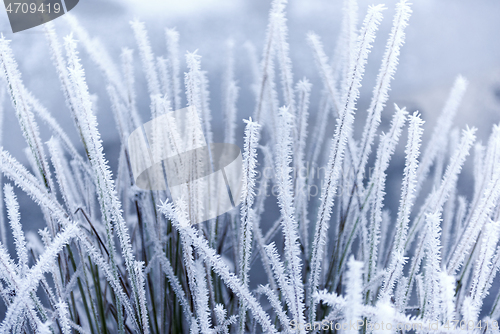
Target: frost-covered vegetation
point(114, 258)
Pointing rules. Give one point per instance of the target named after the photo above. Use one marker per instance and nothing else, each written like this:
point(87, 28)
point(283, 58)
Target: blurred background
point(445, 38)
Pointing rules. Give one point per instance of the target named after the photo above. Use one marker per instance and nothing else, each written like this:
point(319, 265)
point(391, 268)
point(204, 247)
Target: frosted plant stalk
point(47, 118)
point(201, 300)
point(303, 89)
point(478, 219)
point(147, 56)
point(282, 279)
point(383, 85)
point(354, 296)
point(127, 60)
point(436, 199)
point(325, 68)
point(342, 133)
point(247, 198)
point(443, 126)
point(276, 305)
point(63, 313)
point(179, 218)
point(432, 304)
point(107, 195)
point(346, 41)
point(377, 185)
point(168, 275)
point(3, 229)
point(15, 222)
point(435, 202)
point(230, 96)
point(482, 279)
point(164, 76)
point(24, 111)
point(285, 201)
point(447, 296)
point(195, 81)
point(283, 54)
point(172, 37)
point(31, 280)
point(277, 8)
point(397, 259)
point(98, 54)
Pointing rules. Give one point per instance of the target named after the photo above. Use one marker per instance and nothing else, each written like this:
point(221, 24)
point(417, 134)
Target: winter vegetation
point(114, 258)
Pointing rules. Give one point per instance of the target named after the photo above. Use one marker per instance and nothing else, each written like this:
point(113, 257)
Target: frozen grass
point(117, 259)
